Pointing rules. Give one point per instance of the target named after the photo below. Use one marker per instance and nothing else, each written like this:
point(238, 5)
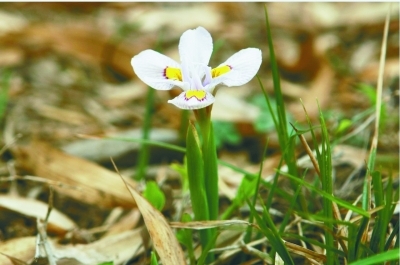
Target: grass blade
point(268, 229)
point(285, 142)
point(325, 165)
point(393, 254)
point(144, 152)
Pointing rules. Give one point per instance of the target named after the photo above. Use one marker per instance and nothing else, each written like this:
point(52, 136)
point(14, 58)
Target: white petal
point(244, 66)
point(192, 103)
point(195, 46)
point(149, 66)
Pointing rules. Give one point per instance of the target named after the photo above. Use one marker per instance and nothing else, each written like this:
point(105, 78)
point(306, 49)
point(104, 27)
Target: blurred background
point(67, 65)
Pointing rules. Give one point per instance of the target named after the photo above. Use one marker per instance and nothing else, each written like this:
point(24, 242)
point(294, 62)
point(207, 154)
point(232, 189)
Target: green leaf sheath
point(195, 172)
point(211, 174)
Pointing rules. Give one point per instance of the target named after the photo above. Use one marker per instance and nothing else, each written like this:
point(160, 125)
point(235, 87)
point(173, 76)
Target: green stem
point(210, 167)
point(210, 160)
point(198, 195)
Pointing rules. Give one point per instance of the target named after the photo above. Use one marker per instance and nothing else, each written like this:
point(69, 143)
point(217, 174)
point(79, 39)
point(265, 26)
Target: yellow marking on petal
point(220, 70)
point(173, 73)
point(200, 95)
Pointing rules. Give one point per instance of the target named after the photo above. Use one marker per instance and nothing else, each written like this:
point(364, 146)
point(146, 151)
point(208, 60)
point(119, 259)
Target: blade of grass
point(244, 192)
point(379, 88)
point(288, 213)
point(205, 254)
point(177, 148)
point(287, 147)
point(311, 241)
point(366, 201)
point(247, 237)
point(392, 235)
point(390, 255)
point(269, 230)
point(185, 237)
point(143, 157)
point(144, 152)
point(325, 165)
point(360, 238)
point(5, 86)
point(148, 142)
point(339, 201)
point(380, 226)
point(274, 187)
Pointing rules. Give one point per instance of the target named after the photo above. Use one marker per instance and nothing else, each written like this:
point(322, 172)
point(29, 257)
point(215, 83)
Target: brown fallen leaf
point(93, 183)
point(57, 222)
point(164, 240)
point(22, 249)
point(320, 89)
point(127, 222)
point(117, 248)
point(15, 261)
point(84, 41)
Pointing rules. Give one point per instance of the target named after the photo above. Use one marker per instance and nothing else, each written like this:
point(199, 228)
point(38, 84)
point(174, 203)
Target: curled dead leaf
point(91, 183)
point(165, 242)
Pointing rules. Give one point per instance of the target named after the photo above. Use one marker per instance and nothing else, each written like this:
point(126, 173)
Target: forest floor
point(67, 82)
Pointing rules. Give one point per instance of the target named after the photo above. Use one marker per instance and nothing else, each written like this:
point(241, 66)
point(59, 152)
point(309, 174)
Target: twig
point(309, 152)
point(43, 241)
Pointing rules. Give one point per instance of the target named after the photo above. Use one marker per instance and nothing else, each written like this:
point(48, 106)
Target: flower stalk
point(198, 82)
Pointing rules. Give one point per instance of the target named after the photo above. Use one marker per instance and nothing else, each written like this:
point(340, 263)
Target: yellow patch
point(173, 73)
point(200, 95)
point(220, 70)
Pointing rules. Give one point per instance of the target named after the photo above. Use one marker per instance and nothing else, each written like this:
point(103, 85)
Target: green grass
point(5, 85)
point(367, 235)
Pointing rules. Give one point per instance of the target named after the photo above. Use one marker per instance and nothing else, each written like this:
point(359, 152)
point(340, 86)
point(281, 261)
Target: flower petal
point(193, 99)
point(239, 69)
point(195, 46)
point(157, 70)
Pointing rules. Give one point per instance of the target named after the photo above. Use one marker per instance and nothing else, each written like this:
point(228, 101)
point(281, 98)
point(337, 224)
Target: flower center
point(200, 95)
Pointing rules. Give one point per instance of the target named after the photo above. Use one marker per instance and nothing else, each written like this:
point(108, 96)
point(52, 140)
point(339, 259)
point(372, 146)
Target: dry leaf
point(229, 107)
point(92, 183)
point(164, 240)
point(320, 90)
point(184, 18)
point(57, 221)
point(83, 40)
point(100, 150)
point(20, 248)
point(127, 222)
point(116, 248)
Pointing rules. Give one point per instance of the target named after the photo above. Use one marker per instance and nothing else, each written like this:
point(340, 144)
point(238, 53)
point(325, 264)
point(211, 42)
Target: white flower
point(193, 74)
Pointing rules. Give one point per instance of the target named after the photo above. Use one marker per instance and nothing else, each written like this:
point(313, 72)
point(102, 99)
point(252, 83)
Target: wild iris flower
point(193, 74)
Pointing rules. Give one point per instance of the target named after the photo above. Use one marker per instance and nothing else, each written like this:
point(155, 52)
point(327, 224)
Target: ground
point(67, 83)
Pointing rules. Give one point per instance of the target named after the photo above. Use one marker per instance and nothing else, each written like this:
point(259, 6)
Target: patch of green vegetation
point(265, 123)
point(5, 84)
point(225, 132)
point(154, 195)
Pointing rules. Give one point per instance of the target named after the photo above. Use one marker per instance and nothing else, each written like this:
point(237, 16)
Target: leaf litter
point(71, 75)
